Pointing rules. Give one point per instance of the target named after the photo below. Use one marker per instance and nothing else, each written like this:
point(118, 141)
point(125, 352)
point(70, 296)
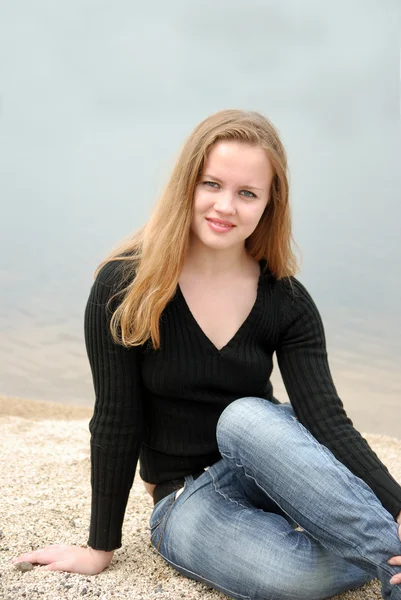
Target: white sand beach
point(45, 499)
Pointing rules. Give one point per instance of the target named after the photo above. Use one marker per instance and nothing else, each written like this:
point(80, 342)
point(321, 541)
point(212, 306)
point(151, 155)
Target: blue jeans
point(234, 528)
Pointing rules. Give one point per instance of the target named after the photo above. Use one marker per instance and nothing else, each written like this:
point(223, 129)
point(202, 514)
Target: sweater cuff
point(106, 521)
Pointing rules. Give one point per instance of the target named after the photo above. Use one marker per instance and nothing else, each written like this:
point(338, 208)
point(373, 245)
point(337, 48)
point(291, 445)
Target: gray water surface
point(96, 100)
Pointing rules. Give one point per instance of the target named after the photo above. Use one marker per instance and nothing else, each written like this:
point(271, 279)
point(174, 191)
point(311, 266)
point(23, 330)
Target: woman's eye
point(251, 194)
point(215, 185)
point(211, 184)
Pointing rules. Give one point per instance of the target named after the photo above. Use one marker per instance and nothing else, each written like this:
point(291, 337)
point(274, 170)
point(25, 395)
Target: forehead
point(239, 160)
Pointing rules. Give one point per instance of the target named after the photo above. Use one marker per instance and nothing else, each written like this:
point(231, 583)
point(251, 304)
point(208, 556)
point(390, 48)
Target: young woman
point(252, 497)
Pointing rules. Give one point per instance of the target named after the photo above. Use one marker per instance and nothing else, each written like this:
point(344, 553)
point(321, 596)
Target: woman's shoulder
point(111, 281)
point(293, 287)
point(295, 295)
point(115, 273)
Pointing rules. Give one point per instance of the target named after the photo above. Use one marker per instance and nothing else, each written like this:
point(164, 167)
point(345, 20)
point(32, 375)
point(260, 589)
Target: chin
point(219, 244)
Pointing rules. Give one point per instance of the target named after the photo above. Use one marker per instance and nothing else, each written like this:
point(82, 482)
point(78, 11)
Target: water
point(96, 102)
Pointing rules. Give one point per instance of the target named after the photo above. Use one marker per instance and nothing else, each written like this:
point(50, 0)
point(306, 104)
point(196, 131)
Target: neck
point(211, 263)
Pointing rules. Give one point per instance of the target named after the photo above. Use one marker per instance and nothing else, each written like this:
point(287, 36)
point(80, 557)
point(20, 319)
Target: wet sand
point(45, 499)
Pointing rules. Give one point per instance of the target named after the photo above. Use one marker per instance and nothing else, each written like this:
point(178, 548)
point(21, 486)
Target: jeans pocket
point(160, 514)
point(159, 511)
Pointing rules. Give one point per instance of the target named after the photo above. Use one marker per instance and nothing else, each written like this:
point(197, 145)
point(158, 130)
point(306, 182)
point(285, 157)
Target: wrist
point(104, 555)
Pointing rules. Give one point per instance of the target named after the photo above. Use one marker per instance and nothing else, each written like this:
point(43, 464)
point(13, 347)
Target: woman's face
point(234, 187)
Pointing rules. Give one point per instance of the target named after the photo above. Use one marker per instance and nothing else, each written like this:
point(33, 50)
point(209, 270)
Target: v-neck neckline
point(193, 323)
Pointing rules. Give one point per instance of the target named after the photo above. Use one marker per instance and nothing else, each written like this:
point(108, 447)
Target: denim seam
point(390, 573)
point(153, 527)
point(215, 485)
point(164, 524)
point(209, 581)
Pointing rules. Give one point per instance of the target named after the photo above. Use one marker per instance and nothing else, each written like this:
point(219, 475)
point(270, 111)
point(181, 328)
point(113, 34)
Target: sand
point(45, 495)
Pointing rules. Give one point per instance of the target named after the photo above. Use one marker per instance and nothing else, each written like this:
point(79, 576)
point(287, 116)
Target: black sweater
point(162, 406)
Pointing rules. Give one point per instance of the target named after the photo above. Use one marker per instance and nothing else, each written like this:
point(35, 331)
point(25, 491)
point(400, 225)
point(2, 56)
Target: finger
point(43, 555)
point(395, 579)
point(55, 547)
point(56, 566)
point(395, 560)
point(39, 556)
point(28, 557)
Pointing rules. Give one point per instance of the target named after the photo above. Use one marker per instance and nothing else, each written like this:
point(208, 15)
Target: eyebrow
point(251, 187)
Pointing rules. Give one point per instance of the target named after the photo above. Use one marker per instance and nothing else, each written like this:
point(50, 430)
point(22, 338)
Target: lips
point(221, 222)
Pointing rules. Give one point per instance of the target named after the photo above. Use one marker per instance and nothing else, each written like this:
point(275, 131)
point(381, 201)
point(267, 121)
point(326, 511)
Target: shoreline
point(42, 409)
point(37, 410)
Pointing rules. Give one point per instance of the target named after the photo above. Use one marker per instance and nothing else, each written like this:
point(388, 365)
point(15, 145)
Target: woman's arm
point(303, 362)
point(117, 424)
point(116, 430)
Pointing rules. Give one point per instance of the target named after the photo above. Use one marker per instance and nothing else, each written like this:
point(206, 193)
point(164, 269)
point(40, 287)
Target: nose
point(225, 203)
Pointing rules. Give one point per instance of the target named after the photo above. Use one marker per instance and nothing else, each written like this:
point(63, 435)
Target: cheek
point(202, 202)
point(254, 214)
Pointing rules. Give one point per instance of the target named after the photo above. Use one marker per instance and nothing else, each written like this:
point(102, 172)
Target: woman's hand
point(396, 560)
point(73, 559)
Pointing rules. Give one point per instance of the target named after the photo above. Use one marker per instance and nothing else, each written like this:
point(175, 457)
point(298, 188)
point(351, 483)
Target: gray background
point(96, 100)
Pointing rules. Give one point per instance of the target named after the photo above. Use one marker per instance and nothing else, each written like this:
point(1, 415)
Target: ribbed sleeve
point(116, 426)
point(303, 363)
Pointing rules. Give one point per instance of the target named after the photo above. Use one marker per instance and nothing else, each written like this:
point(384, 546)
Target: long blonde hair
point(154, 256)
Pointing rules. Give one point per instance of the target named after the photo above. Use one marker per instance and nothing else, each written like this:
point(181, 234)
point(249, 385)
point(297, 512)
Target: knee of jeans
point(240, 418)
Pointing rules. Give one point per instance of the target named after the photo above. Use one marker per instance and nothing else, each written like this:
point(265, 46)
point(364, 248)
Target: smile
point(219, 227)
